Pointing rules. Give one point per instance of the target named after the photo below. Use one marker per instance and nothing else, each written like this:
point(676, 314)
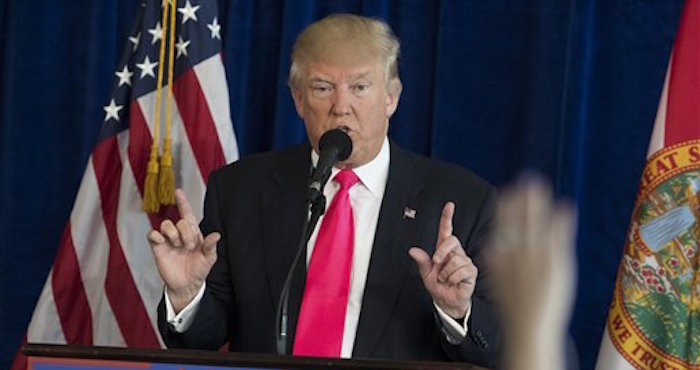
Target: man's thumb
point(425, 264)
point(209, 246)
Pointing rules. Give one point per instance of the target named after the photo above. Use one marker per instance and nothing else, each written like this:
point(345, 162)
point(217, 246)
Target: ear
point(298, 101)
point(393, 95)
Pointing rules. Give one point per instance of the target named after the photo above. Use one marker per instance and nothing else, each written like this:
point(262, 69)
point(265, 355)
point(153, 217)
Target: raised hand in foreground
point(534, 274)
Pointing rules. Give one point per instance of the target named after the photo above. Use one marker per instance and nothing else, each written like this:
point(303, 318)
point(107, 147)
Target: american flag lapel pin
point(409, 213)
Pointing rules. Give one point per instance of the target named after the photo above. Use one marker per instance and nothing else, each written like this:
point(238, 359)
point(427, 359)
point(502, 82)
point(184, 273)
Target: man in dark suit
point(417, 228)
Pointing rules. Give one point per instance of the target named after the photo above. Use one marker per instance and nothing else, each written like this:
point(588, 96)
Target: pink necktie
point(322, 315)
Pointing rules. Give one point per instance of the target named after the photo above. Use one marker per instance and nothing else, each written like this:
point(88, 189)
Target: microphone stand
point(317, 208)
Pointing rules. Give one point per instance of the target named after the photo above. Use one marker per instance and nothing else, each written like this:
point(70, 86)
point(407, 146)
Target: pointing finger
point(445, 228)
point(183, 205)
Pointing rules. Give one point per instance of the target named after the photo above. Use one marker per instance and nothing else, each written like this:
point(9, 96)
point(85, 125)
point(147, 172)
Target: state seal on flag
point(655, 314)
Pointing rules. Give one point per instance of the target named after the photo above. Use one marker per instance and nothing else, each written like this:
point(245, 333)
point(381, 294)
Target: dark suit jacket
point(257, 204)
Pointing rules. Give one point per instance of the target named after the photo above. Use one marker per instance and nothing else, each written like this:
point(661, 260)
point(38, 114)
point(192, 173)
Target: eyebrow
point(360, 75)
point(319, 79)
point(353, 77)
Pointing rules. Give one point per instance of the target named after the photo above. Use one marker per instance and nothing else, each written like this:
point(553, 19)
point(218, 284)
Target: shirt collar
point(372, 174)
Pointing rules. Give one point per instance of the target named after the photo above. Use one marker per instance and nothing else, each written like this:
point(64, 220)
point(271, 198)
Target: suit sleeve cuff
point(181, 322)
point(453, 330)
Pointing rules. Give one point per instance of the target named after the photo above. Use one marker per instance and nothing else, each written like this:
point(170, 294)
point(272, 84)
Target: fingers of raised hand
point(183, 206)
point(563, 230)
point(209, 246)
point(525, 213)
point(560, 250)
point(155, 238)
point(171, 233)
point(422, 260)
point(446, 247)
point(189, 233)
point(445, 227)
point(457, 269)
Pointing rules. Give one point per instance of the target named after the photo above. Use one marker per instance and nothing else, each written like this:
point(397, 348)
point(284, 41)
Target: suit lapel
point(283, 217)
point(392, 240)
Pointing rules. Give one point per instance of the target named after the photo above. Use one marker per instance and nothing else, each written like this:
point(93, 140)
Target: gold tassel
point(151, 203)
point(166, 176)
point(150, 187)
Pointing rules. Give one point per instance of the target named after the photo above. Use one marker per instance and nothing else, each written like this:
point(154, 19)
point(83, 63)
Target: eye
point(321, 89)
point(360, 88)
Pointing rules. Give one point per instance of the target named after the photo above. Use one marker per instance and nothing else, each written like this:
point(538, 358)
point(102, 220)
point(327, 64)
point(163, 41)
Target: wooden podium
point(57, 357)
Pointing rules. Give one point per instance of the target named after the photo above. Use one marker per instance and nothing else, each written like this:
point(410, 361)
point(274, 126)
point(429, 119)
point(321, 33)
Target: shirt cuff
point(453, 330)
point(182, 321)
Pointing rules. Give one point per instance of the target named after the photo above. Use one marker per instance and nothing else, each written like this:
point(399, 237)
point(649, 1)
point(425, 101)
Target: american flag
point(103, 288)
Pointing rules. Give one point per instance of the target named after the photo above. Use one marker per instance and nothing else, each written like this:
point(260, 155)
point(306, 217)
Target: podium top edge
point(213, 358)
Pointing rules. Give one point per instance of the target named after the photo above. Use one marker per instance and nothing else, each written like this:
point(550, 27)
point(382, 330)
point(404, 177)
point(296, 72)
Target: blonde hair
point(339, 34)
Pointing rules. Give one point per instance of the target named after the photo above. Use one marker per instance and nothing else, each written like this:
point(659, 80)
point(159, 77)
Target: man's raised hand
point(183, 255)
point(449, 276)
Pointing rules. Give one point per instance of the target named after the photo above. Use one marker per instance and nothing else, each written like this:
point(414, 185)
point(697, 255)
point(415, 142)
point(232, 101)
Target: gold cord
point(150, 191)
point(166, 179)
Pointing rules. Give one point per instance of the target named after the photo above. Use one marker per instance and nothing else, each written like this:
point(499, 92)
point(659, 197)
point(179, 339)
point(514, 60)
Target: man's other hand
point(449, 276)
point(183, 255)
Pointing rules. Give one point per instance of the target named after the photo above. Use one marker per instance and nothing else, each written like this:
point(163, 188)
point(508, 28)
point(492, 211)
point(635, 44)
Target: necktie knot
point(346, 179)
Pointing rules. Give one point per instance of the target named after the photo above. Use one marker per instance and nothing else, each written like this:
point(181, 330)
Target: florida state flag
point(654, 318)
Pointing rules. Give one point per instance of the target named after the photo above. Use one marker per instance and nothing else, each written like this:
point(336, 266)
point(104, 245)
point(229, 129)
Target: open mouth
point(345, 129)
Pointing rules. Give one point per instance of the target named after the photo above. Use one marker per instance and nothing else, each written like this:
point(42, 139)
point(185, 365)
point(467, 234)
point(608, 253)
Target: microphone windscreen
point(339, 139)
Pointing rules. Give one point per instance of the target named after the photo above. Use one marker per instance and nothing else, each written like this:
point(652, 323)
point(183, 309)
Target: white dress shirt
point(366, 200)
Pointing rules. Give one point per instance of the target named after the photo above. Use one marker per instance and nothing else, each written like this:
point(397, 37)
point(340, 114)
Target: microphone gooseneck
point(334, 146)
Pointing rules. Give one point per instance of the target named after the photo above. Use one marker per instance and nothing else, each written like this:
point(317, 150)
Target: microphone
point(334, 146)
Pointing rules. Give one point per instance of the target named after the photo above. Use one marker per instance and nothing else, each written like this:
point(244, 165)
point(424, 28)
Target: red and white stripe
point(103, 288)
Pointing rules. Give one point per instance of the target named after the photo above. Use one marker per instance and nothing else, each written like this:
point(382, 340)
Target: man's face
point(352, 97)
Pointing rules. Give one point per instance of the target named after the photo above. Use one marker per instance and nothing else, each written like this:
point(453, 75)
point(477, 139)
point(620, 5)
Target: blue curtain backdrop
point(568, 87)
